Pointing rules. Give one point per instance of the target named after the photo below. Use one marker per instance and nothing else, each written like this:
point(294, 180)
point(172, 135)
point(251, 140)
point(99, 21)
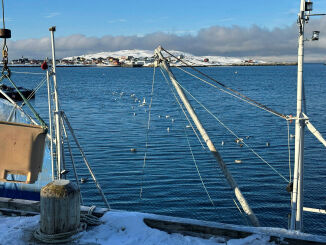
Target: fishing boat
point(13, 94)
point(55, 133)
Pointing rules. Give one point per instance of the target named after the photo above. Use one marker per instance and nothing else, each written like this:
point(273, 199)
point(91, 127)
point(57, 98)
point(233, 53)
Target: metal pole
point(209, 143)
point(297, 194)
point(50, 121)
point(56, 112)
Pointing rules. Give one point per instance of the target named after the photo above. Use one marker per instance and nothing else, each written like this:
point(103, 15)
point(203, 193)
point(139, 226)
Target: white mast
point(57, 111)
point(243, 202)
point(297, 194)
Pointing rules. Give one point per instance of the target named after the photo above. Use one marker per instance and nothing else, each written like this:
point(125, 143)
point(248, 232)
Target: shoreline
point(213, 65)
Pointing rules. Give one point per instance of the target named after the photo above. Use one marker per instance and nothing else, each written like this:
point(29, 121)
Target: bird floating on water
point(83, 180)
point(238, 140)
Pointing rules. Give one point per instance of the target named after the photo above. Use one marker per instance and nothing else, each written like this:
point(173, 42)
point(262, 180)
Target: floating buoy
point(237, 161)
point(222, 143)
point(268, 144)
point(236, 72)
point(44, 66)
point(134, 113)
point(172, 120)
point(133, 149)
point(168, 129)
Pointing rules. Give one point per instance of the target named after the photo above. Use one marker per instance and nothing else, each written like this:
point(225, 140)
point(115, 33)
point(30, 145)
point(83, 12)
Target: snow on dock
point(118, 227)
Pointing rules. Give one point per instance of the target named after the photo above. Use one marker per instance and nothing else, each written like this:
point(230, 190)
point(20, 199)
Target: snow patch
point(119, 227)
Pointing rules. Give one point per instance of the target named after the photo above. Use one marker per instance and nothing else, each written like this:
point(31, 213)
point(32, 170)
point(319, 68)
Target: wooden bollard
point(60, 208)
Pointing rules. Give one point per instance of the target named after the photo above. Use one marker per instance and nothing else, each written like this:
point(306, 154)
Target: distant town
point(143, 58)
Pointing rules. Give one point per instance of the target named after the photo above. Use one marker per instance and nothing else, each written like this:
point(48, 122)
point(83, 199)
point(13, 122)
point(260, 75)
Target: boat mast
point(57, 115)
point(297, 194)
point(243, 202)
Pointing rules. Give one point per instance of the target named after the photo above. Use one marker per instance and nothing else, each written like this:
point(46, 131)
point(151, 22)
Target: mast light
point(315, 35)
point(308, 6)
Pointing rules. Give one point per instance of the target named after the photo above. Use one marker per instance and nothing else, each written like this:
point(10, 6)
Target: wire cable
point(189, 145)
point(231, 132)
point(147, 132)
point(228, 88)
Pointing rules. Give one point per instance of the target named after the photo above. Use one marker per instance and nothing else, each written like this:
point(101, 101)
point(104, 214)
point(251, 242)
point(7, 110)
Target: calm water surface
point(101, 106)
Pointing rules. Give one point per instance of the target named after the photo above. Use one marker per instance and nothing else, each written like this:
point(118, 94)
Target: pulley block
point(5, 33)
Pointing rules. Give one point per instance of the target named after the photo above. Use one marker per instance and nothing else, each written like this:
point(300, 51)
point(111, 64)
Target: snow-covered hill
point(187, 57)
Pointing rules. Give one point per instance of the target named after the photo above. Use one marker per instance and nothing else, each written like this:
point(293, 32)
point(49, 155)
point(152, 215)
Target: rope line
point(239, 209)
point(38, 86)
point(227, 92)
point(147, 132)
point(234, 134)
point(182, 108)
point(27, 102)
point(194, 160)
point(190, 149)
point(25, 72)
point(3, 16)
point(228, 88)
point(185, 114)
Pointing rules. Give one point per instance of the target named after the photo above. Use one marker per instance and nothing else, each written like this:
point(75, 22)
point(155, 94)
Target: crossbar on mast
point(246, 208)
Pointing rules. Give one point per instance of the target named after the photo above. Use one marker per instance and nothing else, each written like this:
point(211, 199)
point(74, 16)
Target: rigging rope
point(72, 161)
point(230, 131)
point(239, 209)
point(246, 98)
point(185, 114)
point(25, 72)
point(227, 92)
point(26, 101)
point(38, 86)
point(147, 132)
point(236, 205)
point(190, 149)
point(5, 69)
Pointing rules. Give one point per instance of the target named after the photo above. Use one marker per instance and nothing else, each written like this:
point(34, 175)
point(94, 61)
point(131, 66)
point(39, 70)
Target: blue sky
point(31, 18)
point(255, 28)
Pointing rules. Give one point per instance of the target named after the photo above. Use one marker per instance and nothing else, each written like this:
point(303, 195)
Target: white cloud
point(276, 44)
point(51, 15)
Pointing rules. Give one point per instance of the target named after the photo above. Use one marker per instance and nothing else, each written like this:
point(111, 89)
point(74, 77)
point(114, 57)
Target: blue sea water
point(100, 104)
